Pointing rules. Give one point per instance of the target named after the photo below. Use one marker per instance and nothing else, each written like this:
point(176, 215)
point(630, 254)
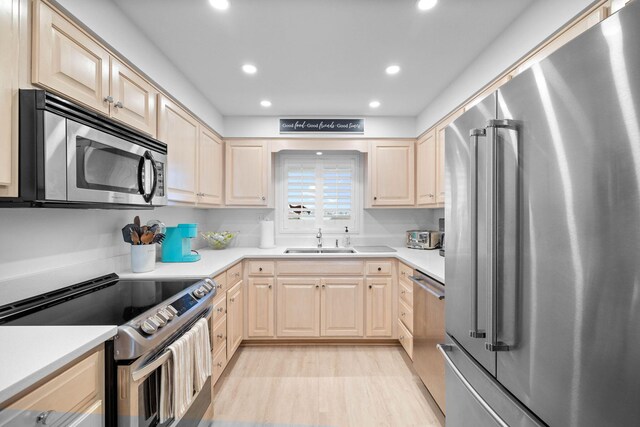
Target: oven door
point(102, 168)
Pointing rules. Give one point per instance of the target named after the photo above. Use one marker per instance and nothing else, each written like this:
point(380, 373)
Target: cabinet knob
point(269, 286)
point(379, 268)
point(403, 292)
point(118, 105)
point(42, 417)
point(232, 300)
point(220, 309)
point(260, 269)
point(108, 99)
point(370, 287)
point(219, 364)
point(401, 337)
point(323, 286)
point(375, 198)
point(403, 314)
point(220, 336)
point(263, 198)
point(317, 286)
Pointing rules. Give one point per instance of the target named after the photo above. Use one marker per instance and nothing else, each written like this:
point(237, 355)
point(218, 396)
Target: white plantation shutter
point(318, 192)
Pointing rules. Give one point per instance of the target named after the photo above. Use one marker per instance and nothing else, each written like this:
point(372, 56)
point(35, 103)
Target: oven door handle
point(147, 156)
point(145, 370)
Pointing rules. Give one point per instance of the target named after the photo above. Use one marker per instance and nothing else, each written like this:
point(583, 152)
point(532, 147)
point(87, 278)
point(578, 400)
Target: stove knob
point(198, 293)
point(148, 328)
point(159, 320)
point(205, 289)
point(165, 314)
point(155, 322)
point(171, 310)
point(208, 283)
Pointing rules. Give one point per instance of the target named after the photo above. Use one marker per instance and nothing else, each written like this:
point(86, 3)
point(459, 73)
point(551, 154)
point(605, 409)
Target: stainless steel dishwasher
point(428, 331)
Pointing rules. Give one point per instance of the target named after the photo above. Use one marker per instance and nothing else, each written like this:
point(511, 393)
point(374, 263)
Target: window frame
point(281, 209)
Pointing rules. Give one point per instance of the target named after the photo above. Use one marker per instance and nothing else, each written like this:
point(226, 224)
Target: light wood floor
point(323, 386)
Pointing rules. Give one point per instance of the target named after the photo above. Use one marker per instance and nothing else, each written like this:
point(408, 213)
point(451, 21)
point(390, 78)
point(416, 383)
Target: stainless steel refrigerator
point(543, 241)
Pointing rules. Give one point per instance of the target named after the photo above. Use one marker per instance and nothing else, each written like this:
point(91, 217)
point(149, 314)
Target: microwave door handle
point(141, 184)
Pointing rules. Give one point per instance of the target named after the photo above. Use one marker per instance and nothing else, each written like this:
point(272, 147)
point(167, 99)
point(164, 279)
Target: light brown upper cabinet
point(342, 307)
point(68, 61)
point(180, 132)
point(426, 169)
point(391, 173)
point(132, 99)
point(248, 173)
point(9, 46)
point(210, 167)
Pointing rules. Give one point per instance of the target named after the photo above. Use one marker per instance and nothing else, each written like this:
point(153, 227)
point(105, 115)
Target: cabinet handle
point(401, 337)
point(379, 268)
point(269, 286)
point(370, 287)
point(263, 198)
point(118, 105)
point(403, 314)
point(232, 300)
point(108, 99)
point(220, 309)
point(220, 336)
point(219, 364)
point(42, 418)
point(375, 197)
point(430, 195)
point(403, 292)
point(322, 286)
point(260, 269)
point(317, 286)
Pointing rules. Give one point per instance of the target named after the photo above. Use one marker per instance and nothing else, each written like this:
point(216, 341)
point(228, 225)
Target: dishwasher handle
point(430, 286)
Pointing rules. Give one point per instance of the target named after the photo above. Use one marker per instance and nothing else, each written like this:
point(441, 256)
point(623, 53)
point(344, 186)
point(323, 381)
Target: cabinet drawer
point(405, 338)
point(320, 268)
point(219, 363)
point(67, 396)
point(405, 313)
point(220, 335)
point(261, 268)
point(219, 310)
point(404, 272)
point(234, 275)
point(406, 292)
point(221, 281)
point(379, 268)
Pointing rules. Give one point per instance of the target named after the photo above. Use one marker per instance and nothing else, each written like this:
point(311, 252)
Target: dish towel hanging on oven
point(186, 372)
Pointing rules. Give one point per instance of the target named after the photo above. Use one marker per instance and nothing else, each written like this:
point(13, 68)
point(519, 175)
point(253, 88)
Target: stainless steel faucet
point(319, 237)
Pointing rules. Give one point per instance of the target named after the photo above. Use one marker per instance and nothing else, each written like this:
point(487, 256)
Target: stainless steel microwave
point(70, 156)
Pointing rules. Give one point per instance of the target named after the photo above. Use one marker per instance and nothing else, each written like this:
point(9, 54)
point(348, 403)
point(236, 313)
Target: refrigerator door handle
point(474, 136)
point(444, 349)
point(493, 128)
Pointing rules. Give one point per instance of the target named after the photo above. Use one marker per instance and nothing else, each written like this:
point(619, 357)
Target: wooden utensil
point(135, 238)
point(146, 238)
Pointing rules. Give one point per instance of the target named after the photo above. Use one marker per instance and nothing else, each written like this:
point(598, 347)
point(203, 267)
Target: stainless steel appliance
point(423, 239)
point(442, 240)
point(542, 179)
point(70, 156)
point(428, 332)
point(150, 316)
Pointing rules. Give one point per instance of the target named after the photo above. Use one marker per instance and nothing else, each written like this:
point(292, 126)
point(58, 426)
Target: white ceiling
point(322, 57)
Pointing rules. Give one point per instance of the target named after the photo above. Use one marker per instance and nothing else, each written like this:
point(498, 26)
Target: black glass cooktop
point(103, 301)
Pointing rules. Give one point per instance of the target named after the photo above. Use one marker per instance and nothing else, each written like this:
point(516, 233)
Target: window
point(318, 192)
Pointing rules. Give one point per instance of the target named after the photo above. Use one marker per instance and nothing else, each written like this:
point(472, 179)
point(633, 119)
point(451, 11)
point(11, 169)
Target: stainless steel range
point(150, 316)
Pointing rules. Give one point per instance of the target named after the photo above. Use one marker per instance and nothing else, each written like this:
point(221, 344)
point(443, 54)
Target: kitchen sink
point(319, 251)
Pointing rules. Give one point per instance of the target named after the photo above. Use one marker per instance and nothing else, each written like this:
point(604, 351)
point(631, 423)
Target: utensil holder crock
point(143, 258)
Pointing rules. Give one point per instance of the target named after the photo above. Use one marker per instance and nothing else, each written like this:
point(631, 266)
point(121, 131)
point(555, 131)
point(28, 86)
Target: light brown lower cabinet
point(341, 305)
point(235, 319)
point(379, 310)
point(260, 307)
point(71, 398)
point(298, 307)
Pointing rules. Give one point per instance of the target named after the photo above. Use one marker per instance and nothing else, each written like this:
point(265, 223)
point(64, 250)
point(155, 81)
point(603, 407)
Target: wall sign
point(321, 125)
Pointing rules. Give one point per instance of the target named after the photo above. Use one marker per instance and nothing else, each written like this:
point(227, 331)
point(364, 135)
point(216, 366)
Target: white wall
point(539, 21)
point(64, 246)
point(379, 226)
point(267, 126)
point(106, 20)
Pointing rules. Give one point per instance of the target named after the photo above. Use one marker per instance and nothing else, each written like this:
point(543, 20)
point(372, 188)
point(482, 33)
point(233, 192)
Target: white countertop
point(31, 353)
point(216, 261)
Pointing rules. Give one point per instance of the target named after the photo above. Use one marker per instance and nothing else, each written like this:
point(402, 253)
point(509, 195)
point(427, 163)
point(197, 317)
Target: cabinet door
point(298, 307)
point(260, 307)
point(9, 46)
point(391, 173)
point(134, 99)
point(248, 171)
point(210, 153)
point(440, 141)
point(68, 61)
point(180, 132)
point(426, 158)
point(379, 307)
point(342, 307)
point(235, 317)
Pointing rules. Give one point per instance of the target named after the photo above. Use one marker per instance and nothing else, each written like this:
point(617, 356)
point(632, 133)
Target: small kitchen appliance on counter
point(423, 239)
point(177, 244)
point(441, 228)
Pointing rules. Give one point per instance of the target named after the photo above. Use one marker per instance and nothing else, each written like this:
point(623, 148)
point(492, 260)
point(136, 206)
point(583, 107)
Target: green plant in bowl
point(219, 239)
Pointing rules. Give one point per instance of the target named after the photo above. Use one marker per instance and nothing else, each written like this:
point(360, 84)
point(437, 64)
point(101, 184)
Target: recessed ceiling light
point(393, 69)
point(427, 4)
point(219, 4)
point(374, 104)
point(265, 103)
point(249, 69)
point(318, 153)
